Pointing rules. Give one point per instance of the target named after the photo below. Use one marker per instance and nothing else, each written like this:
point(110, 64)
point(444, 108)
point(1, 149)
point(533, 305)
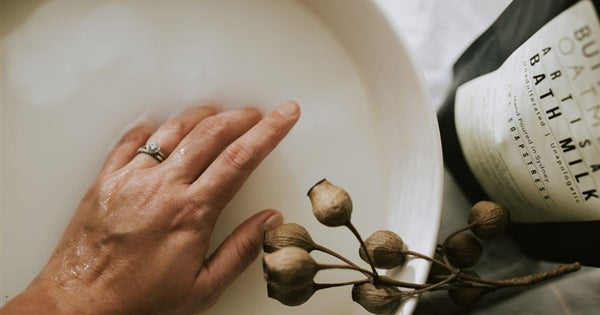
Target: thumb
point(240, 248)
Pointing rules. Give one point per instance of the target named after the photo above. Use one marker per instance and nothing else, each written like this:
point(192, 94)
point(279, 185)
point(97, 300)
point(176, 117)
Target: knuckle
point(105, 186)
point(176, 127)
point(169, 199)
point(144, 194)
point(186, 215)
point(214, 126)
point(239, 157)
point(271, 127)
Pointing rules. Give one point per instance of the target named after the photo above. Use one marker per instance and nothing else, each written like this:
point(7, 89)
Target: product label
point(530, 131)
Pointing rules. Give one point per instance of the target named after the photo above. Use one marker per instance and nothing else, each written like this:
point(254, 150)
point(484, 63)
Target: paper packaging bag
point(521, 125)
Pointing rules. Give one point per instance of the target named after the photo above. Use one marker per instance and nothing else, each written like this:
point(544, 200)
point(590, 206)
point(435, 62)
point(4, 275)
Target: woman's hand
point(139, 239)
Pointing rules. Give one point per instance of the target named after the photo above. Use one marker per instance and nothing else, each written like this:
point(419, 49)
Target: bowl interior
point(76, 73)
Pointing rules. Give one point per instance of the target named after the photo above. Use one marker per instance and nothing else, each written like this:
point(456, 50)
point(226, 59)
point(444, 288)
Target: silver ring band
point(152, 148)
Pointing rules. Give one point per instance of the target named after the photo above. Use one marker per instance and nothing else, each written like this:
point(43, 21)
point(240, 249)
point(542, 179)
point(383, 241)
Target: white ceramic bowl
point(76, 72)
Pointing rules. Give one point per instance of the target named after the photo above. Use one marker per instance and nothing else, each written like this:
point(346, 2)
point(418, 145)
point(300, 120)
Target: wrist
point(45, 297)
point(36, 299)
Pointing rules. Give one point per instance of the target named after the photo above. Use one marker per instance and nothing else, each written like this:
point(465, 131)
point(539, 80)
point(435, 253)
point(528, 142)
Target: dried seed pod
point(290, 267)
point(491, 219)
point(290, 296)
point(376, 299)
point(331, 204)
point(466, 296)
point(463, 250)
point(437, 270)
point(385, 248)
point(289, 234)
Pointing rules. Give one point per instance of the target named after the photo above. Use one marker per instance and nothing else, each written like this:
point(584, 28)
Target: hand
point(139, 239)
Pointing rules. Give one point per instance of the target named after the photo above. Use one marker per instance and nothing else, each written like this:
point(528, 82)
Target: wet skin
point(138, 241)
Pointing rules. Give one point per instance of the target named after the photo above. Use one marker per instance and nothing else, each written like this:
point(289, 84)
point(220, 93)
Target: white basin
point(74, 73)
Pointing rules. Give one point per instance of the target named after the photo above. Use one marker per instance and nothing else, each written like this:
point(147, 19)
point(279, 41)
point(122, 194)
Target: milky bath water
point(75, 73)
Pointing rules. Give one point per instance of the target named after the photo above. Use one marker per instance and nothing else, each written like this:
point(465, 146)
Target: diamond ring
point(152, 148)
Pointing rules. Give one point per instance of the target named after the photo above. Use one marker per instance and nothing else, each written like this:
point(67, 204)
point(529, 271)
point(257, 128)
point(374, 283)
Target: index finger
point(228, 172)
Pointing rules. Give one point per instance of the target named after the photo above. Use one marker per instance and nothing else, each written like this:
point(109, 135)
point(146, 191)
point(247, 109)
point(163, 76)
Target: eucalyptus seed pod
point(290, 267)
point(331, 204)
point(289, 234)
point(466, 296)
point(290, 296)
point(491, 219)
point(463, 250)
point(376, 299)
point(385, 248)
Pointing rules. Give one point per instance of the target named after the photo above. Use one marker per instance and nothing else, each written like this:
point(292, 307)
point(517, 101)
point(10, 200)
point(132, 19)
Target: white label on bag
point(530, 131)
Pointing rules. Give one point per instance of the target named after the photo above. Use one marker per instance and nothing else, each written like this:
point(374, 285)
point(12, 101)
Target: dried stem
point(364, 247)
point(390, 281)
point(454, 285)
point(447, 261)
point(433, 286)
point(433, 260)
point(445, 243)
point(526, 280)
point(459, 283)
point(338, 266)
point(452, 281)
point(382, 279)
point(438, 277)
point(319, 286)
point(352, 266)
point(340, 257)
point(456, 279)
point(464, 228)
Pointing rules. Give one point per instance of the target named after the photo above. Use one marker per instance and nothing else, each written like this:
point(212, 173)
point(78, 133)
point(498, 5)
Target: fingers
point(224, 177)
point(125, 150)
point(171, 132)
point(237, 252)
point(209, 138)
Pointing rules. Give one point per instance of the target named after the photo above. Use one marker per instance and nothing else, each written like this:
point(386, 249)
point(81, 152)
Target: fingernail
point(288, 109)
point(273, 221)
